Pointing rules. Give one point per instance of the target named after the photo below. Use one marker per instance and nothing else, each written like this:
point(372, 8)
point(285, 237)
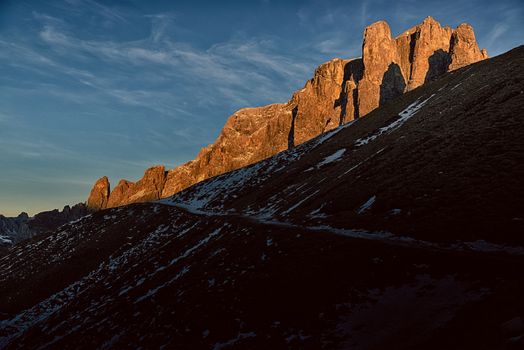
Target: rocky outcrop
point(99, 194)
point(321, 103)
point(146, 189)
point(249, 135)
point(423, 52)
point(393, 66)
point(340, 91)
point(379, 52)
point(464, 48)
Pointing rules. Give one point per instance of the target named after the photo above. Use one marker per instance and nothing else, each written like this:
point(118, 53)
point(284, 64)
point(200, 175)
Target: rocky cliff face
point(146, 189)
point(340, 91)
point(99, 194)
point(393, 66)
point(464, 48)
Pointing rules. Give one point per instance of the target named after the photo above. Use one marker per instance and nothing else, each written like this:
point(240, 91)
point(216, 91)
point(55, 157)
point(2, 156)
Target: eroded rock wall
point(340, 91)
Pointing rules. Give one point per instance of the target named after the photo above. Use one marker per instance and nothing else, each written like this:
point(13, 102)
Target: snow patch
point(317, 214)
point(366, 206)
point(488, 247)
point(326, 136)
point(404, 116)
point(362, 162)
point(150, 293)
point(395, 211)
point(456, 86)
point(332, 158)
point(232, 342)
point(5, 240)
point(299, 203)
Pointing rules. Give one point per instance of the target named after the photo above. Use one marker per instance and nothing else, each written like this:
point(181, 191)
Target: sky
point(91, 88)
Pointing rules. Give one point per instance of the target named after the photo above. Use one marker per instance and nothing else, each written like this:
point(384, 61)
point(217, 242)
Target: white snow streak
point(366, 206)
point(332, 158)
point(406, 114)
point(300, 203)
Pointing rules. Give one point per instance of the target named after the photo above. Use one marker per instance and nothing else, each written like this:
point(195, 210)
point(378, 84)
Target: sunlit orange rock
point(99, 194)
point(340, 91)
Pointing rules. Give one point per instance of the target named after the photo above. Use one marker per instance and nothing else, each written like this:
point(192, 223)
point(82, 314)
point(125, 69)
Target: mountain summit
point(340, 91)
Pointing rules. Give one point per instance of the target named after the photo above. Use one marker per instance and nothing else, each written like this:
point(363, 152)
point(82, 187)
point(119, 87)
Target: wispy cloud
point(33, 148)
point(160, 23)
point(494, 34)
point(38, 178)
point(227, 66)
point(107, 12)
point(220, 61)
point(338, 45)
point(364, 13)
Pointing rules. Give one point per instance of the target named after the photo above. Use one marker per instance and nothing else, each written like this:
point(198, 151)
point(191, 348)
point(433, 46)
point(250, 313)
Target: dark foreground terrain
point(402, 230)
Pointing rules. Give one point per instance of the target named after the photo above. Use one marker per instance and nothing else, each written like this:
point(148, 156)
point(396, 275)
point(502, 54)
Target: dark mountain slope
point(313, 248)
point(205, 282)
point(453, 169)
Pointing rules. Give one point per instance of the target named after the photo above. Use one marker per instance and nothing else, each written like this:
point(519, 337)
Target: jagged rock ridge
point(340, 91)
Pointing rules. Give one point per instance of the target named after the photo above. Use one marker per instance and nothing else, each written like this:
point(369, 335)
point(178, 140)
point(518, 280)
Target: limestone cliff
point(340, 91)
point(99, 194)
point(146, 189)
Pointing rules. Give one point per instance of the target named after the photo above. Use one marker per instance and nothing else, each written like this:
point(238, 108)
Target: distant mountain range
point(399, 230)
point(22, 227)
point(340, 91)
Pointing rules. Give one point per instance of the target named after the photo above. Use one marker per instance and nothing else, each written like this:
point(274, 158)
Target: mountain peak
point(378, 26)
point(429, 20)
point(464, 48)
point(23, 215)
point(99, 194)
point(340, 91)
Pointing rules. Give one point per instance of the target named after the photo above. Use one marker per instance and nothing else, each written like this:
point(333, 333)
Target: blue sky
point(91, 88)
